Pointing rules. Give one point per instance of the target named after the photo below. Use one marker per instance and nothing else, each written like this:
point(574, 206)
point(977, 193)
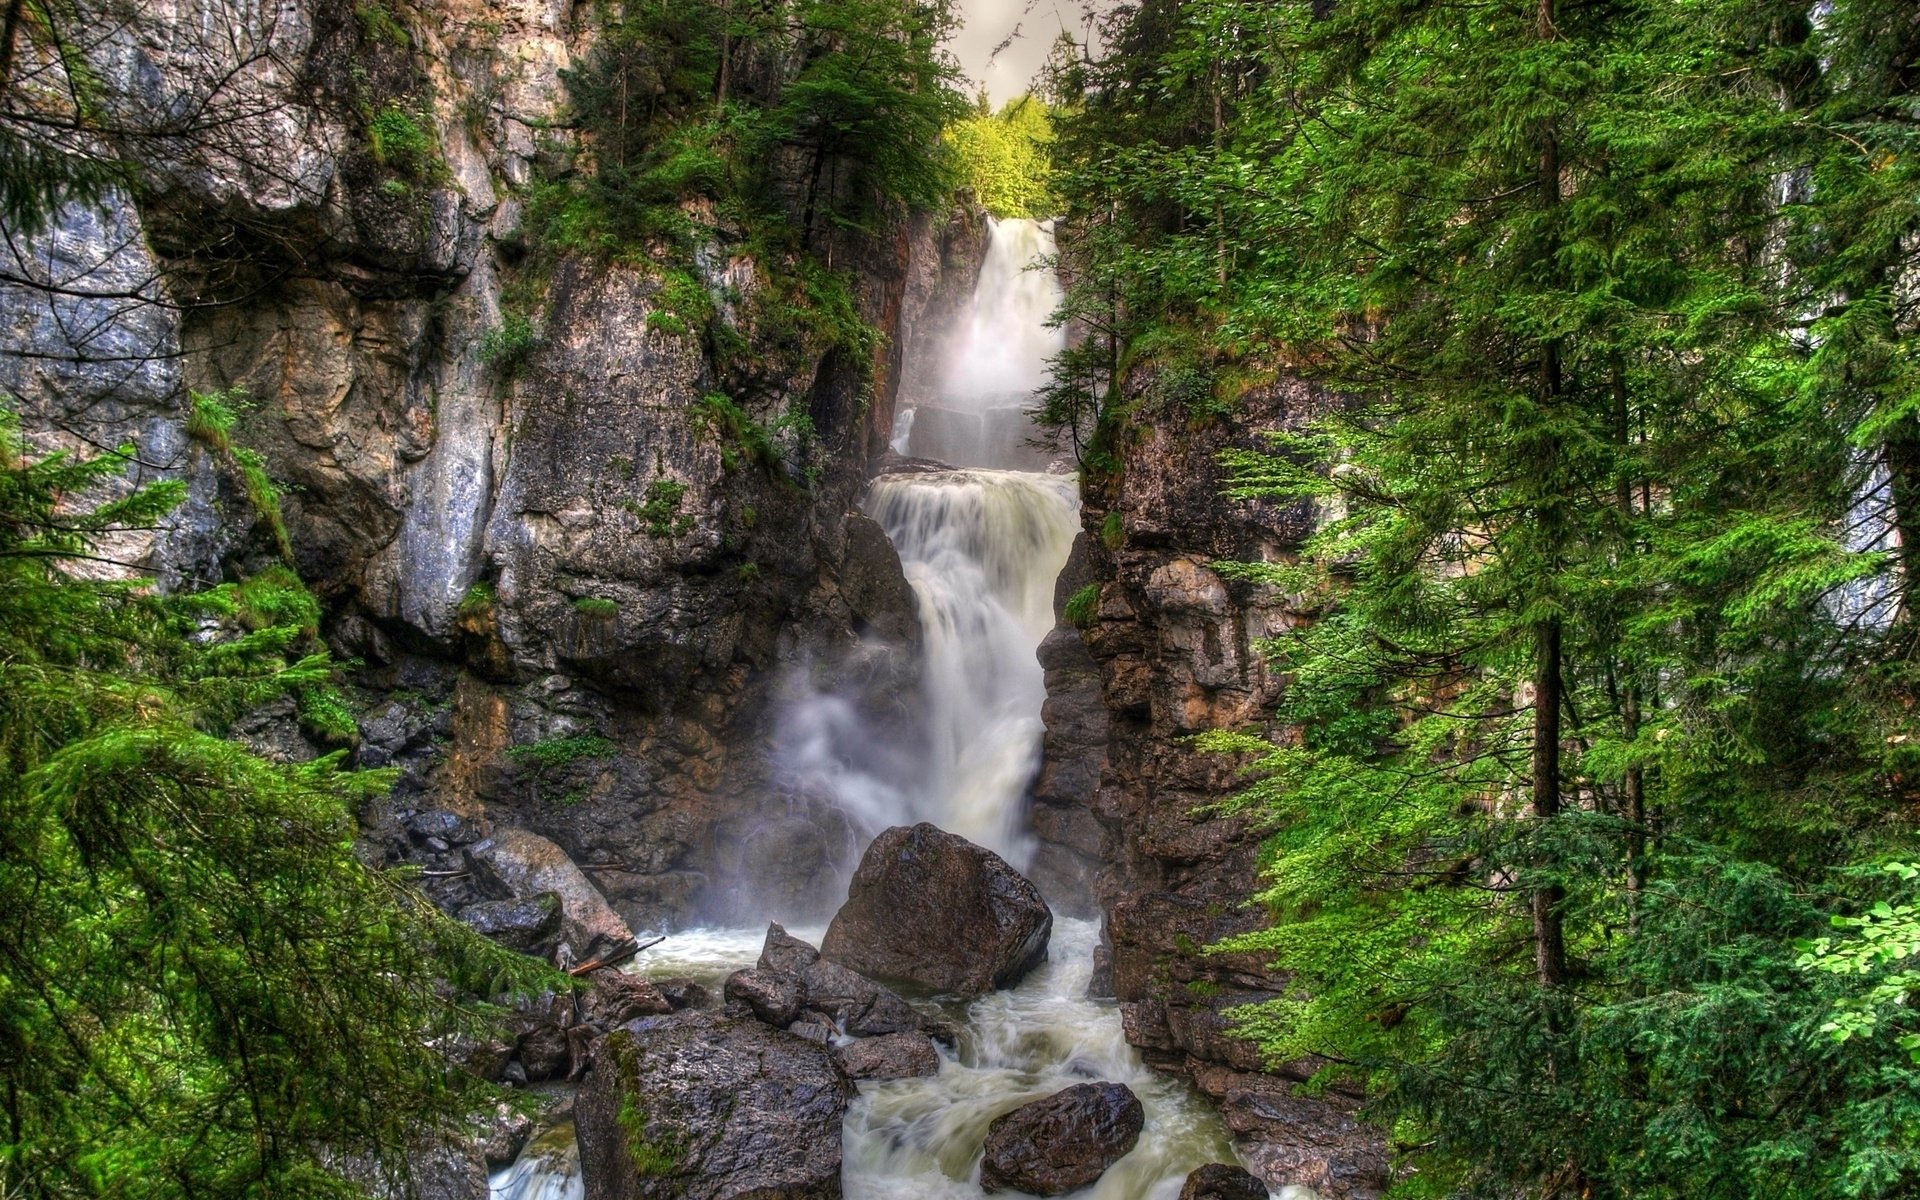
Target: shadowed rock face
point(706, 1107)
point(933, 909)
point(1063, 1142)
point(1124, 801)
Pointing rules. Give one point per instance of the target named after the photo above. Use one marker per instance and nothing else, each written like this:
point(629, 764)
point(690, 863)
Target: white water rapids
point(981, 547)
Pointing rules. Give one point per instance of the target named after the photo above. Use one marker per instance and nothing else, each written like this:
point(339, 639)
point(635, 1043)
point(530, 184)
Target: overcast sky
point(990, 22)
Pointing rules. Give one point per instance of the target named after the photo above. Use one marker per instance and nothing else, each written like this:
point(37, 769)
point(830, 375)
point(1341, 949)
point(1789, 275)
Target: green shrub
point(1113, 533)
point(1082, 606)
point(478, 601)
point(508, 345)
point(596, 606)
point(400, 142)
point(660, 513)
point(553, 753)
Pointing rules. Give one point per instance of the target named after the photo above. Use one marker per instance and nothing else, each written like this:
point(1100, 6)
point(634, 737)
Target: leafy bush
point(660, 513)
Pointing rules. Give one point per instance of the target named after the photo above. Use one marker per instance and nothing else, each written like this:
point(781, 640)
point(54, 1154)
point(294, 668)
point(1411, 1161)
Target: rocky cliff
point(575, 555)
point(1164, 647)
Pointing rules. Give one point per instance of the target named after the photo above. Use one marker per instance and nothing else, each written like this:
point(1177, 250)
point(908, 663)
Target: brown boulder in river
point(700, 1106)
point(931, 908)
point(1063, 1142)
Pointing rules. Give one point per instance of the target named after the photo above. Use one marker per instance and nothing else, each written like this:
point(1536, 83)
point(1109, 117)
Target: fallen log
point(616, 957)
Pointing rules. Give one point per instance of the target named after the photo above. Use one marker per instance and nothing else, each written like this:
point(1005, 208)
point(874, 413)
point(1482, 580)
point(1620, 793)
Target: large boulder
point(518, 864)
point(856, 1004)
point(931, 908)
point(701, 1106)
point(1063, 1142)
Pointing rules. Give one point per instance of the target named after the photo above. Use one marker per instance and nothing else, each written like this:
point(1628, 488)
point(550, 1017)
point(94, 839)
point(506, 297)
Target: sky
point(990, 22)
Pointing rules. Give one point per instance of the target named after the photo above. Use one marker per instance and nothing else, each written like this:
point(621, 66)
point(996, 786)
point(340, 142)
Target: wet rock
point(1218, 1181)
point(529, 926)
point(683, 993)
point(775, 998)
point(431, 1171)
point(784, 952)
point(502, 1133)
point(932, 908)
point(849, 999)
point(700, 1106)
point(1063, 1142)
point(813, 1027)
point(516, 864)
point(890, 1056)
point(543, 1052)
point(614, 999)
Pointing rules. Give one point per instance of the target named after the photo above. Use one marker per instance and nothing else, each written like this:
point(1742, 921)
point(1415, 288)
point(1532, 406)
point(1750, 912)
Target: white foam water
point(981, 550)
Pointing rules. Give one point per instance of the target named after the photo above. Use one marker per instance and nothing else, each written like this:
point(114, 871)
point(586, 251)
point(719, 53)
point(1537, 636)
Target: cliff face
point(550, 538)
point(1171, 649)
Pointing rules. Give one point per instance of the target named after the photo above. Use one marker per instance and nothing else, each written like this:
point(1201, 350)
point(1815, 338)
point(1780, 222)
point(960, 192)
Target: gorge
point(638, 599)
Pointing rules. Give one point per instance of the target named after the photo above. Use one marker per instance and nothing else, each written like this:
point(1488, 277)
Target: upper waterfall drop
point(994, 360)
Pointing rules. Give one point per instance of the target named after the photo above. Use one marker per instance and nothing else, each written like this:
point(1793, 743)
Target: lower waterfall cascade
point(981, 547)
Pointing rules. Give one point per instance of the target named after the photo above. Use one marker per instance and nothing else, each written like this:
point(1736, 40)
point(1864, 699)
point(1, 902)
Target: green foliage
point(1605, 696)
point(556, 752)
point(205, 988)
point(507, 346)
point(660, 513)
point(401, 142)
point(210, 421)
point(596, 606)
point(379, 24)
point(477, 601)
point(1113, 531)
point(681, 306)
point(326, 713)
point(1083, 606)
point(1003, 158)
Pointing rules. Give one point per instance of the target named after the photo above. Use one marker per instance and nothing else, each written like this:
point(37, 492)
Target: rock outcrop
point(706, 1107)
point(847, 1001)
point(1063, 1142)
point(1166, 648)
point(502, 465)
point(931, 908)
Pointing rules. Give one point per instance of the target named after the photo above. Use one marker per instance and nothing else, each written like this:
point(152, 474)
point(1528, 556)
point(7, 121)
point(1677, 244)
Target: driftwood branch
point(616, 957)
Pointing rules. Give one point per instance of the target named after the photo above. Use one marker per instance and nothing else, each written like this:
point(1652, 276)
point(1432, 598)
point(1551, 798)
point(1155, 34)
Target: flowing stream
point(981, 546)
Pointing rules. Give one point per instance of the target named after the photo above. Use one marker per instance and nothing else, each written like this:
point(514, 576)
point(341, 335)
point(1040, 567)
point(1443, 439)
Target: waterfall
point(981, 544)
point(994, 360)
point(981, 550)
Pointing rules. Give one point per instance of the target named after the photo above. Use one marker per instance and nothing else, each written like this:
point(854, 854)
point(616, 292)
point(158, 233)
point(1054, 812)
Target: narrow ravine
point(981, 545)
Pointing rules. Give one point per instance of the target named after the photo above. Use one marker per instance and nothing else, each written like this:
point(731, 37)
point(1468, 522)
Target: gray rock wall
point(483, 538)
